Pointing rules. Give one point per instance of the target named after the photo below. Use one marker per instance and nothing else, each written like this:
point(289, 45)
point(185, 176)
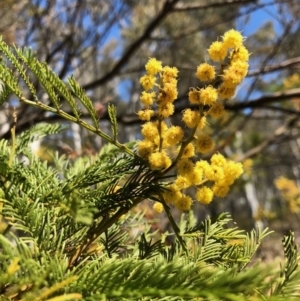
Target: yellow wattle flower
point(162, 139)
point(204, 143)
point(204, 195)
point(158, 207)
point(206, 72)
point(232, 39)
point(217, 51)
point(153, 66)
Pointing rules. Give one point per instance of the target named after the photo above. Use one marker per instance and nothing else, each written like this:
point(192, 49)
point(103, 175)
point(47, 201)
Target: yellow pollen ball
point(189, 151)
point(158, 207)
point(232, 39)
point(204, 143)
point(233, 170)
point(217, 173)
point(166, 110)
point(236, 72)
point(173, 135)
point(169, 93)
point(172, 81)
point(182, 182)
point(153, 66)
point(148, 82)
point(208, 95)
point(195, 177)
point(184, 166)
point(289, 191)
point(217, 51)
point(150, 131)
point(220, 190)
point(202, 123)
point(159, 160)
point(239, 67)
point(206, 72)
point(240, 54)
point(147, 99)
point(171, 194)
point(206, 169)
point(191, 118)
point(231, 78)
point(170, 72)
point(204, 195)
point(145, 148)
point(184, 203)
point(145, 115)
point(195, 97)
point(218, 160)
point(217, 110)
point(226, 90)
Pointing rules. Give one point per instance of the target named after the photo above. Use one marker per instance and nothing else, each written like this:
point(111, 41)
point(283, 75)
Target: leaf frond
point(84, 99)
point(112, 112)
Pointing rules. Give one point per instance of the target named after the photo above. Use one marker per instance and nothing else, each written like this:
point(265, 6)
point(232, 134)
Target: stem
point(187, 141)
point(13, 139)
point(10, 161)
point(93, 234)
point(173, 224)
point(82, 123)
point(160, 135)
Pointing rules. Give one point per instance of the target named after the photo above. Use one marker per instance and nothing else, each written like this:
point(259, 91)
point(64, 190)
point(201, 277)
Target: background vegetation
point(105, 44)
point(73, 221)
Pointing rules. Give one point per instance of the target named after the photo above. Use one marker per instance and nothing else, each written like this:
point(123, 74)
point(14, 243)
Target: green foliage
point(67, 231)
point(79, 92)
point(35, 133)
point(5, 92)
point(112, 112)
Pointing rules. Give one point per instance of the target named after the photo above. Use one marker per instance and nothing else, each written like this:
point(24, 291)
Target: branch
point(271, 68)
point(274, 51)
point(261, 101)
point(167, 9)
point(293, 62)
point(131, 119)
point(211, 5)
point(278, 109)
point(213, 24)
point(280, 132)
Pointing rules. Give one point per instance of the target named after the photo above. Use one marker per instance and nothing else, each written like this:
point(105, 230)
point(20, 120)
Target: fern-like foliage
point(29, 69)
point(109, 276)
point(67, 231)
point(4, 92)
point(80, 94)
point(112, 112)
point(288, 282)
point(35, 133)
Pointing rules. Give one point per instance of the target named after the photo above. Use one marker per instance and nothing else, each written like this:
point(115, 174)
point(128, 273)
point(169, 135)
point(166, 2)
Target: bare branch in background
point(166, 9)
point(184, 8)
point(265, 99)
point(282, 131)
point(290, 63)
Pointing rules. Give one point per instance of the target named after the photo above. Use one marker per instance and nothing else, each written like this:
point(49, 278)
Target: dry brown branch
point(290, 63)
point(272, 139)
point(265, 99)
point(165, 11)
point(185, 8)
point(270, 56)
point(131, 119)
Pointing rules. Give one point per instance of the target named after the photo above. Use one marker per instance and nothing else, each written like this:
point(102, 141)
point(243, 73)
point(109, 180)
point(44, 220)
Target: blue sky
point(256, 20)
point(259, 17)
